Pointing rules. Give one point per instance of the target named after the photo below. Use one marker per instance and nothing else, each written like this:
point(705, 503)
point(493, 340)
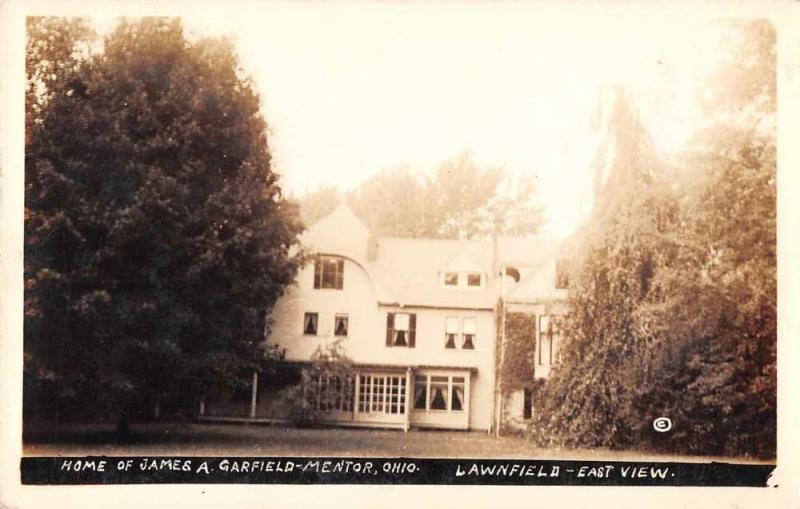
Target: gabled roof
point(406, 271)
point(462, 262)
point(410, 268)
point(340, 232)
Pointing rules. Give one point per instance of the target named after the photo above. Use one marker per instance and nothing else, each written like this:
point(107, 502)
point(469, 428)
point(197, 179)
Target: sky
point(349, 90)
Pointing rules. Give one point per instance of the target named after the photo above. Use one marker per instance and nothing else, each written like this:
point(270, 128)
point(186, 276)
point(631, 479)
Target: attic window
point(328, 272)
point(463, 279)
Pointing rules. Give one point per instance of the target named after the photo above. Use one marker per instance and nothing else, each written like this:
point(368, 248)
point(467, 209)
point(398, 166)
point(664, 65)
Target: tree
point(156, 236)
point(673, 301)
point(318, 203)
point(718, 316)
point(394, 203)
point(460, 197)
point(587, 400)
point(55, 50)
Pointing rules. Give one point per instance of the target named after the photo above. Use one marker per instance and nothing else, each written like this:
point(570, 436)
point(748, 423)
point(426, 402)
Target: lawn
point(198, 439)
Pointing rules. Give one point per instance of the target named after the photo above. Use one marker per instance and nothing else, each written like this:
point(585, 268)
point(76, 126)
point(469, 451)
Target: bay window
point(442, 393)
point(438, 393)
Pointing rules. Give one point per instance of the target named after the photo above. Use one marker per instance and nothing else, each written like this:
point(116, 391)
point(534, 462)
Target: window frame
point(392, 330)
point(474, 274)
point(315, 316)
point(346, 318)
point(527, 404)
point(446, 275)
point(450, 385)
point(553, 337)
point(320, 272)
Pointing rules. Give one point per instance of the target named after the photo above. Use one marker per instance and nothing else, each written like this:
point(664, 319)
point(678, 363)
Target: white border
point(785, 15)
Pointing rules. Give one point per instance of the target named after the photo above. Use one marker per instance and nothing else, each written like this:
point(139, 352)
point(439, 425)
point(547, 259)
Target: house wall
point(366, 339)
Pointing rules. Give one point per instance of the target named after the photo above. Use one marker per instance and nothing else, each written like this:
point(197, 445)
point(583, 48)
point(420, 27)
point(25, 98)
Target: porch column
point(254, 396)
point(409, 396)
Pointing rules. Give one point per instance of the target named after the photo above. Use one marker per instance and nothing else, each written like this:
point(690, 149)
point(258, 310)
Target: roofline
point(390, 367)
point(426, 306)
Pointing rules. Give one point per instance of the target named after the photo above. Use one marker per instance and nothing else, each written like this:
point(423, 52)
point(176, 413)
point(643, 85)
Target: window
point(451, 279)
point(548, 341)
point(527, 404)
point(459, 333)
point(341, 324)
point(438, 397)
point(382, 393)
point(463, 279)
point(439, 392)
point(401, 329)
point(328, 393)
point(451, 331)
point(457, 397)
point(420, 392)
point(469, 334)
point(310, 322)
point(328, 272)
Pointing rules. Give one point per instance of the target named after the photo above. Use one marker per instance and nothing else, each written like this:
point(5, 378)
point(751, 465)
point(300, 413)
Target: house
point(417, 319)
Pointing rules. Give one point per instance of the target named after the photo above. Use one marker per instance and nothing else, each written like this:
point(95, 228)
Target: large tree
point(155, 235)
point(673, 299)
point(458, 197)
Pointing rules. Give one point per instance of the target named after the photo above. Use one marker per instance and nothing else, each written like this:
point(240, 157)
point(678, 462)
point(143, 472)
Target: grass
point(196, 439)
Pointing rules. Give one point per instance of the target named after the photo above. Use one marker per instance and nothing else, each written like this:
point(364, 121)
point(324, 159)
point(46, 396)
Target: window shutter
point(339, 273)
point(412, 329)
point(389, 328)
point(317, 273)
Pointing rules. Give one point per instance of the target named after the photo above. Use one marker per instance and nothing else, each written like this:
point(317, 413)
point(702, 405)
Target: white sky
point(351, 89)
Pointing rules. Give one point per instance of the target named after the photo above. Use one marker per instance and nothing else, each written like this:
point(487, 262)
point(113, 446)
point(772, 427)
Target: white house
point(418, 320)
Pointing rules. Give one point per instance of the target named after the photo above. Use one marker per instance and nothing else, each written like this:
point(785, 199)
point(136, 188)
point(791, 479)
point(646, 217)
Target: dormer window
point(463, 279)
point(328, 272)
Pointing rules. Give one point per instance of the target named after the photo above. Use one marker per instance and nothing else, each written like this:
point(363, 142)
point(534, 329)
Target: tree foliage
point(155, 233)
point(520, 351)
point(459, 196)
point(673, 299)
point(318, 203)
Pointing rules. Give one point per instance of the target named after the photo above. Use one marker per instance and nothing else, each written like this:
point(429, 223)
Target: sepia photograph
point(411, 242)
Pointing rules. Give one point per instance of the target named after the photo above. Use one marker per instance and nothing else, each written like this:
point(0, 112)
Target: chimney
point(372, 248)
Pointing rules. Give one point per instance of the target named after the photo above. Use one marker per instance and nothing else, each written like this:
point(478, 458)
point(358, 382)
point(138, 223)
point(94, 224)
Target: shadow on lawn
point(106, 433)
